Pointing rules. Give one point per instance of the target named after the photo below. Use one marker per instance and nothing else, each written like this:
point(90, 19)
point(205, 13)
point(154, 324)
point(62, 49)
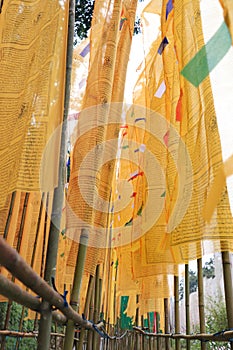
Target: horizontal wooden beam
point(8, 333)
point(17, 266)
point(220, 336)
point(15, 293)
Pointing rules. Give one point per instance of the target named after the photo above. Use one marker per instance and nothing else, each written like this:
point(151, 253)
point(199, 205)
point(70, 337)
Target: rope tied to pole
point(62, 295)
point(222, 333)
point(96, 327)
point(103, 332)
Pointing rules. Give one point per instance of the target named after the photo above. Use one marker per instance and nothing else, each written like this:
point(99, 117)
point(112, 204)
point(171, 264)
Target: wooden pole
point(81, 257)
point(227, 277)
point(22, 222)
point(142, 338)
point(18, 246)
point(157, 331)
point(187, 314)
point(201, 304)
point(32, 263)
point(91, 313)
point(149, 326)
point(86, 308)
point(107, 280)
point(46, 223)
point(100, 309)
point(220, 337)
point(166, 325)
point(6, 230)
point(20, 328)
point(37, 231)
point(52, 249)
point(137, 322)
point(96, 305)
point(109, 331)
point(177, 311)
point(115, 293)
point(43, 254)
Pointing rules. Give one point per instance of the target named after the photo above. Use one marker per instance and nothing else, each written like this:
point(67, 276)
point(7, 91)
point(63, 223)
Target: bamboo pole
point(5, 234)
point(157, 331)
point(142, 338)
point(52, 249)
point(35, 326)
point(37, 231)
point(187, 314)
point(86, 308)
point(56, 335)
point(36, 323)
point(100, 309)
point(107, 261)
point(80, 262)
point(22, 222)
point(114, 293)
point(108, 288)
point(201, 304)
point(42, 267)
point(6, 230)
point(100, 296)
point(91, 313)
point(20, 327)
point(107, 275)
point(177, 311)
point(227, 277)
point(10, 211)
point(46, 222)
point(166, 324)
point(96, 304)
point(137, 322)
point(18, 246)
point(149, 326)
point(32, 262)
point(109, 331)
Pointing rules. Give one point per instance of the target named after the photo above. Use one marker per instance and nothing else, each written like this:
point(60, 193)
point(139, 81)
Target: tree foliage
point(14, 322)
point(83, 17)
point(27, 326)
point(208, 271)
point(192, 284)
point(137, 26)
point(216, 320)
